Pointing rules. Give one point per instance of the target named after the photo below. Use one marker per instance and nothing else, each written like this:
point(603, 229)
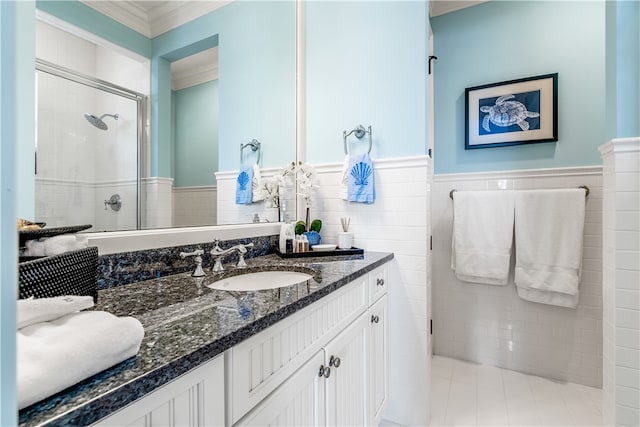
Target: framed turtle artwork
point(513, 112)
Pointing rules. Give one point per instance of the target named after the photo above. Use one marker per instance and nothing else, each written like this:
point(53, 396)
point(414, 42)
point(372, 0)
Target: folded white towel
point(343, 193)
point(36, 310)
point(482, 236)
point(55, 355)
point(547, 297)
point(55, 245)
point(256, 185)
point(548, 235)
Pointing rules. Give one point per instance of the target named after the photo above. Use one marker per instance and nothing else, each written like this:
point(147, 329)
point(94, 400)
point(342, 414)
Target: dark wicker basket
point(70, 273)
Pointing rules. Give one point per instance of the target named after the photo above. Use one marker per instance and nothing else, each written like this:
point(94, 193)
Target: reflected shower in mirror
point(191, 132)
point(81, 164)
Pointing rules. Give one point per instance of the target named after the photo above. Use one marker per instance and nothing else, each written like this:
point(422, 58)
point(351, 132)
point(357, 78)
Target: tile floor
point(467, 394)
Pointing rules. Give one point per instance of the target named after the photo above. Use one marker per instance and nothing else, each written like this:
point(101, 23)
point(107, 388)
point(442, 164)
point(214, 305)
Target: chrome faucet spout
point(218, 253)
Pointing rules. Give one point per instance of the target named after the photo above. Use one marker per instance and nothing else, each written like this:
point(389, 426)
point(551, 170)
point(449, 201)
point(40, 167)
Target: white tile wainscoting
point(621, 282)
point(397, 222)
point(194, 206)
point(491, 324)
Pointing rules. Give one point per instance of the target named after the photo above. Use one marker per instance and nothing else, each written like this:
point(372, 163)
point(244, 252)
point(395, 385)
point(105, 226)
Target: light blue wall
point(17, 136)
point(623, 69)
point(196, 135)
point(256, 42)
point(365, 63)
point(504, 40)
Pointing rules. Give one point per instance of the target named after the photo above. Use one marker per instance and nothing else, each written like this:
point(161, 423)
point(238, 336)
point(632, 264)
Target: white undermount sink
point(260, 280)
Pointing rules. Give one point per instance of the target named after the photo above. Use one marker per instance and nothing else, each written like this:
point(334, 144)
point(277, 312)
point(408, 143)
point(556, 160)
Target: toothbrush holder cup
point(345, 240)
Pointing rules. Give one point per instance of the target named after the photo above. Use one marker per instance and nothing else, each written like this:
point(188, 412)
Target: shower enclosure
point(88, 141)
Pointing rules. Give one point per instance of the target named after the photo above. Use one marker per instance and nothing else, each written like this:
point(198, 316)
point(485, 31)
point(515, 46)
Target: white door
point(346, 355)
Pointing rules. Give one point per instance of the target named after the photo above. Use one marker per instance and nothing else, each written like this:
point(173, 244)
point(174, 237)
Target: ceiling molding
point(172, 14)
point(440, 7)
point(192, 77)
point(152, 18)
point(128, 13)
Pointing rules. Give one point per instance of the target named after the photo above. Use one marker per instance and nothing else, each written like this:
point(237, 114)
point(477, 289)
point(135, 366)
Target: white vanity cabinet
point(193, 399)
point(326, 364)
point(335, 356)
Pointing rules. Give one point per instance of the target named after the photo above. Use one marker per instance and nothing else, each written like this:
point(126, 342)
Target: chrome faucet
point(198, 272)
point(218, 254)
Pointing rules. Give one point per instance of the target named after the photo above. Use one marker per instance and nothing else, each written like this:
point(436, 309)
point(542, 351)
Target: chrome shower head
point(97, 121)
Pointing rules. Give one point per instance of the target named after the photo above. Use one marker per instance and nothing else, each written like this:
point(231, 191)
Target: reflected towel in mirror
point(244, 184)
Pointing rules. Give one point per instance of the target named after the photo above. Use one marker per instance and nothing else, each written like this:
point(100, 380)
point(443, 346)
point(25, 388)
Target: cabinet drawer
point(378, 283)
point(261, 363)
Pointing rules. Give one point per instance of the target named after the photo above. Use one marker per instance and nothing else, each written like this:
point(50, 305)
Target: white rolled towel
point(55, 245)
point(58, 354)
point(36, 310)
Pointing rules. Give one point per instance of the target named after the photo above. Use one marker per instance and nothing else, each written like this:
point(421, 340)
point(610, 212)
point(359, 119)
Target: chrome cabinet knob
point(325, 371)
point(380, 282)
point(375, 319)
point(334, 361)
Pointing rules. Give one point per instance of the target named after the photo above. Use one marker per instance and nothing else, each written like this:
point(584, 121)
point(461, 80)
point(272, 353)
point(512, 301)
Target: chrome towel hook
point(359, 132)
point(255, 146)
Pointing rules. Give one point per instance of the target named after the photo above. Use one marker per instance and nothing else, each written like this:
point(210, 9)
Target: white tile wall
point(491, 324)
point(157, 197)
point(621, 282)
point(66, 202)
point(231, 213)
point(397, 222)
point(193, 206)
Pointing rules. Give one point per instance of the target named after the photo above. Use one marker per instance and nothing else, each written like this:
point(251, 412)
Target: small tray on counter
point(313, 254)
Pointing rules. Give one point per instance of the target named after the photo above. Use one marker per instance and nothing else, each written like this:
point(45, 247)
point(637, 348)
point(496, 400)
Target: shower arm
point(115, 116)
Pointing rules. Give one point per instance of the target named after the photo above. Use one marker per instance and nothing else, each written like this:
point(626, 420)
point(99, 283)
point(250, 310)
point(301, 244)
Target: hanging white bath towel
point(482, 236)
point(548, 235)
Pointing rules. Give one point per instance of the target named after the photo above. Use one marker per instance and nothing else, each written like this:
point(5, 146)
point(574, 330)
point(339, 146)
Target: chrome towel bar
point(582, 186)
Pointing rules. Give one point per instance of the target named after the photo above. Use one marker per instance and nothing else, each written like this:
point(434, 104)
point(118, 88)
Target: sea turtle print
point(506, 113)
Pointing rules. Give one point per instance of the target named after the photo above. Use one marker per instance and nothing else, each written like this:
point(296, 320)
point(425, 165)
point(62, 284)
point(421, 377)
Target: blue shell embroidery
point(361, 172)
point(243, 180)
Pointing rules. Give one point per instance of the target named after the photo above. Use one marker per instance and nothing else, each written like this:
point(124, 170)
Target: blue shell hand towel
point(243, 185)
point(360, 186)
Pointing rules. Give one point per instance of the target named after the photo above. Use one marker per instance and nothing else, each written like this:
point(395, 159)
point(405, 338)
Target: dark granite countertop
point(187, 324)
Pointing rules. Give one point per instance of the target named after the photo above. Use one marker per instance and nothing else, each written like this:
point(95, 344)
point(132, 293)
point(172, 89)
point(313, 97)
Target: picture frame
point(512, 112)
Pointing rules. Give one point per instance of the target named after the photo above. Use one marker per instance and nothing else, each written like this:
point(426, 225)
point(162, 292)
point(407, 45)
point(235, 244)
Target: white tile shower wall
point(491, 324)
point(62, 202)
point(621, 282)
point(195, 206)
point(397, 222)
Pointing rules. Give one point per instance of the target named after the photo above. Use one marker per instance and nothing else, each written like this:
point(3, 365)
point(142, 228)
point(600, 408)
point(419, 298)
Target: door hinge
point(430, 326)
point(430, 243)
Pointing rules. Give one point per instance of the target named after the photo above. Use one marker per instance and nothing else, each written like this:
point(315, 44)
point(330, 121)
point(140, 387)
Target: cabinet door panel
point(298, 402)
point(378, 359)
point(347, 399)
point(193, 399)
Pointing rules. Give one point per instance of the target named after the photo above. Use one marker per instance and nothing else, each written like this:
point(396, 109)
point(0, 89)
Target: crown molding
point(156, 20)
point(126, 12)
point(192, 77)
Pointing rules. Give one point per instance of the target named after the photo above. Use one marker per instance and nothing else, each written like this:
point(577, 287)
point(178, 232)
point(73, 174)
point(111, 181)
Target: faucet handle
point(198, 272)
point(197, 253)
